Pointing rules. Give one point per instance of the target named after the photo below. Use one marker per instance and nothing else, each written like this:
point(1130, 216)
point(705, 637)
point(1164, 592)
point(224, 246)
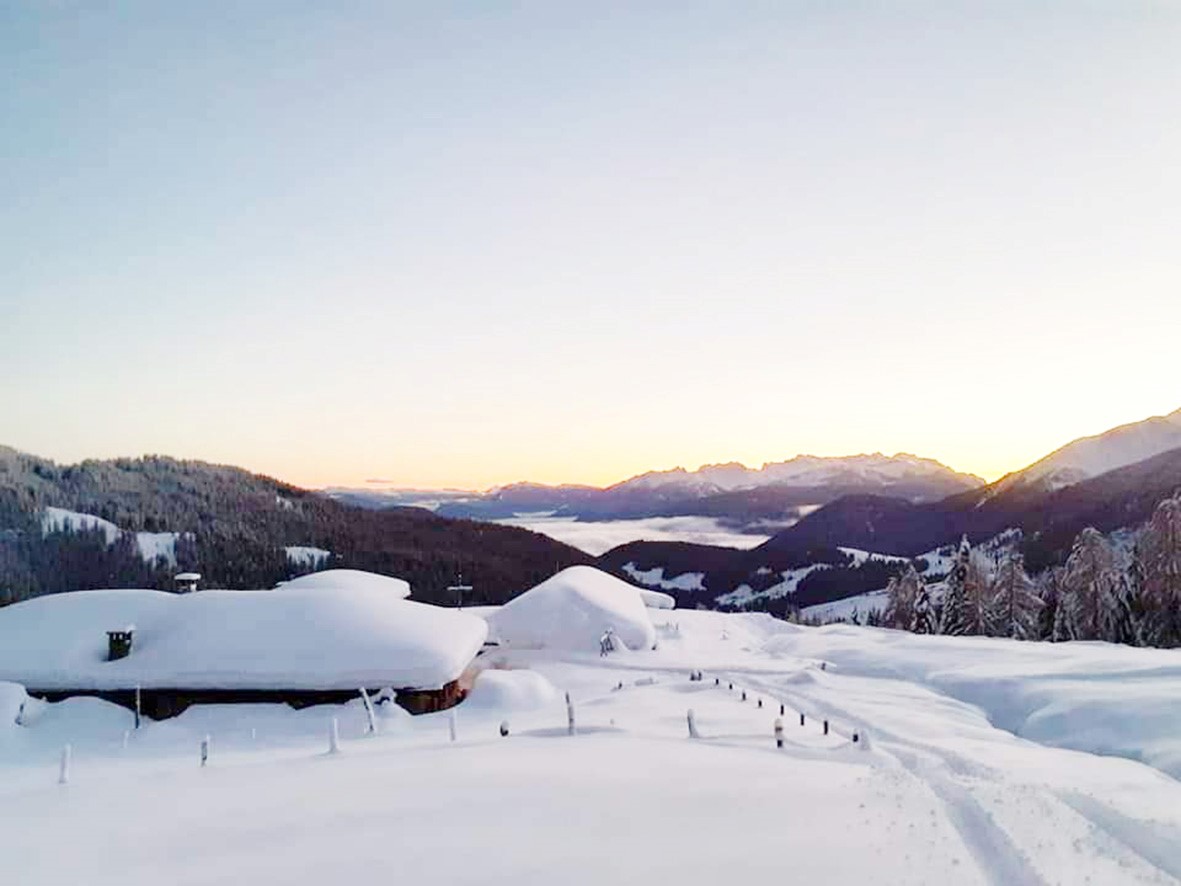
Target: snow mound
point(348, 580)
point(517, 690)
point(657, 600)
point(571, 610)
point(12, 696)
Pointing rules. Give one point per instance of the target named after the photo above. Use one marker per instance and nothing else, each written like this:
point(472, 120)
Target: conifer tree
point(1093, 593)
point(953, 619)
point(1016, 604)
point(1158, 567)
point(900, 600)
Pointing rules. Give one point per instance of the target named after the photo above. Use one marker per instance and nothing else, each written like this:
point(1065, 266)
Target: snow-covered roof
point(572, 610)
point(332, 579)
point(343, 633)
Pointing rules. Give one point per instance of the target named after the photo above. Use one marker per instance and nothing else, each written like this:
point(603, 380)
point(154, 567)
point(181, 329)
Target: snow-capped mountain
point(806, 470)
point(776, 493)
point(1091, 456)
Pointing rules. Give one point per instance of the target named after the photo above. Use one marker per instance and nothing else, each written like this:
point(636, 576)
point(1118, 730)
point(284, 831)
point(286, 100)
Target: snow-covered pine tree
point(1093, 591)
point(1049, 590)
point(899, 604)
point(980, 614)
point(1158, 566)
point(953, 618)
point(1016, 605)
point(925, 621)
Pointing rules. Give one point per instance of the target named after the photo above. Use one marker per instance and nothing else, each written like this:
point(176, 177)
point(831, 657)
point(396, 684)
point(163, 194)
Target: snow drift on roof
point(343, 635)
point(353, 579)
point(571, 611)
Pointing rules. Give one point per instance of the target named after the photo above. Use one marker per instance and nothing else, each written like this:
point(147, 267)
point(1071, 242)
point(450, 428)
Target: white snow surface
point(570, 611)
point(62, 520)
point(1090, 696)
point(305, 556)
point(511, 690)
point(842, 610)
point(155, 546)
point(151, 545)
point(940, 793)
point(343, 635)
point(654, 578)
point(352, 579)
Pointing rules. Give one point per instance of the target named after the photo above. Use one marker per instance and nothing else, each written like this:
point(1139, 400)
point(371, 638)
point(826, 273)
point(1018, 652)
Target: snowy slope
point(61, 520)
point(152, 546)
point(938, 794)
point(306, 557)
point(654, 578)
point(1091, 456)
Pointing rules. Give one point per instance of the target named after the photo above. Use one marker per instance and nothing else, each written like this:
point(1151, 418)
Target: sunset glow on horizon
point(569, 245)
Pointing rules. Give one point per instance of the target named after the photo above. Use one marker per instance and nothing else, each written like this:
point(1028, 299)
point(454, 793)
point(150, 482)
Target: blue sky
point(469, 244)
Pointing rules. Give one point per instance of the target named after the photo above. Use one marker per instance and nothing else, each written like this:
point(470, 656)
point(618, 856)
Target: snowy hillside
point(1091, 456)
point(153, 547)
point(934, 790)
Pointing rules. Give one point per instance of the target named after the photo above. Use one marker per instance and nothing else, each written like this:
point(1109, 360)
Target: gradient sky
point(479, 243)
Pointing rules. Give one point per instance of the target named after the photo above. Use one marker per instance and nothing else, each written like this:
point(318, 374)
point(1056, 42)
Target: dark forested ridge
point(233, 527)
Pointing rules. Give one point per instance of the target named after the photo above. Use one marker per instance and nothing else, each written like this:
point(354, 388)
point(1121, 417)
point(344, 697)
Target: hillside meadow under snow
point(977, 762)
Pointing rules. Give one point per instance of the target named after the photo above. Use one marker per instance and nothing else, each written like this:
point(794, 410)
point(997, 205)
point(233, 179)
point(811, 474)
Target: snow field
point(942, 795)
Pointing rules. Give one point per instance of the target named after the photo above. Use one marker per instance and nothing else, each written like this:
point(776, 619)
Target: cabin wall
point(161, 704)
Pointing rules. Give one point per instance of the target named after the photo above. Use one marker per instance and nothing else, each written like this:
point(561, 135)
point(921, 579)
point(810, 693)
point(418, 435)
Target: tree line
point(1099, 593)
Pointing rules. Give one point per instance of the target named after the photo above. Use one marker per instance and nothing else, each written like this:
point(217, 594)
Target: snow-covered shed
point(320, 638)
point(572, 610)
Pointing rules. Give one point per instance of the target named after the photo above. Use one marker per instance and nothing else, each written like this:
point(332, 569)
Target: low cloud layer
point(600, 537)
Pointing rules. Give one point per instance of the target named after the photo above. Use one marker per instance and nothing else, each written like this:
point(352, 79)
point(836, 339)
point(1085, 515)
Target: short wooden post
point(138, 705)
point(63, 772)
point(826, 727)
point(204, 751)
point(504, 728)
point(334, 737)
point(451, 725)
point(20, 714)
point(760, 702)
point(569, 715)
point(371, 727)
point(692, 720)
point(778, 733)
point(782, 710)
point(744, 695)
point(717, 681)
point(731, 686)
point(801, 719)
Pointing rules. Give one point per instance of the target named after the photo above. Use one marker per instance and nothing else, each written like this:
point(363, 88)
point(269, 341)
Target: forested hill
point(233, 527)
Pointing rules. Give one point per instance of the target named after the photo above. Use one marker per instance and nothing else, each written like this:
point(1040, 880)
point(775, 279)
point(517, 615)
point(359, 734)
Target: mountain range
point(1109, 481)
point(776, 495)
point(138, 521)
